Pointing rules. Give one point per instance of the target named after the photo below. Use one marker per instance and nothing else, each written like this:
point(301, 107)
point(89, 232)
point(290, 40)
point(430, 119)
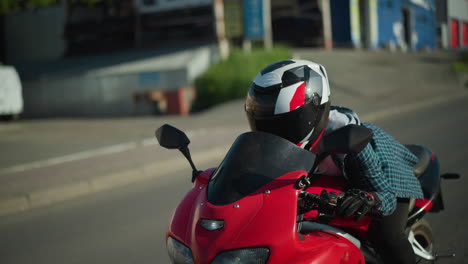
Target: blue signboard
point(253, 19)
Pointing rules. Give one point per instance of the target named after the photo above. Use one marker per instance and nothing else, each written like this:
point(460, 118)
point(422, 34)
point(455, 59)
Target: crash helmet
point(290, 99)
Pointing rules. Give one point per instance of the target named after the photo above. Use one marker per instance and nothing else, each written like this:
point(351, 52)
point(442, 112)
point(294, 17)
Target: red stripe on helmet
point(317, 140)
point(298, 98)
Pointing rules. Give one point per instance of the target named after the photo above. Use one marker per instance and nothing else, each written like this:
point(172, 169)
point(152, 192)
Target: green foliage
point(14, 5)
point(462, 64)
point(230, 79)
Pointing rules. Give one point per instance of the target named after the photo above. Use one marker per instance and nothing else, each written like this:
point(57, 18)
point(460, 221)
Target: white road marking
point(113, 149)
point(71, 157)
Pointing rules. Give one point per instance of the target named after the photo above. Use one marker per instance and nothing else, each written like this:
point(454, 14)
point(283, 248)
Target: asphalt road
point(444, 129)
point(127, 225)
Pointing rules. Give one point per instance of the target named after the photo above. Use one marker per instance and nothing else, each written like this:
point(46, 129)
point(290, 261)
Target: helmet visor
point(295, 126)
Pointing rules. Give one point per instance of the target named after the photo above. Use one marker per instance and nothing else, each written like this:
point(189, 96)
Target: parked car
point(11, 98)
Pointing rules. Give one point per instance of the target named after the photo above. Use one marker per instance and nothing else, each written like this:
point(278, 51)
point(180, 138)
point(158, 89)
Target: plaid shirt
point(385, 167)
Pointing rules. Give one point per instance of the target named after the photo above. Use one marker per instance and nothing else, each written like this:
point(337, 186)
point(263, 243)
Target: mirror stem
point(320, 157)
point(186, 152)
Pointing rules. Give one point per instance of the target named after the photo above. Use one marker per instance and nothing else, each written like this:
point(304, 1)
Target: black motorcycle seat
point(424, 157)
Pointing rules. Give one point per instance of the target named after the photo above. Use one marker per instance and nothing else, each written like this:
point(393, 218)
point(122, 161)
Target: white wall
point(457, 9)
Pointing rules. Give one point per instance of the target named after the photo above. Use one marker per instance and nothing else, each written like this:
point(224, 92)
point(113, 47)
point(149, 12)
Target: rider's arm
point(371, 178)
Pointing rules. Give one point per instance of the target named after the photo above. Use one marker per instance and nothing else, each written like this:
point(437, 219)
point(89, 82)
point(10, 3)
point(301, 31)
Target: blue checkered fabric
point(385, 167)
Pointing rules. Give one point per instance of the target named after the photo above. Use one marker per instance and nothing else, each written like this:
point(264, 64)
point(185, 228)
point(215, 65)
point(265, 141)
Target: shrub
point(230, 79)
point(462, 64)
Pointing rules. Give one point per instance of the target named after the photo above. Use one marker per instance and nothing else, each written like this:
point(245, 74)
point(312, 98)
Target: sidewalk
point(46, 161)
point(80, 157)
point(47, 184)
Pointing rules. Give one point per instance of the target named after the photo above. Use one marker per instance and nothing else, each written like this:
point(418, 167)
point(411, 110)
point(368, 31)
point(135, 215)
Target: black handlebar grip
point(314, 198)
point(317, 199)
point(310, 196)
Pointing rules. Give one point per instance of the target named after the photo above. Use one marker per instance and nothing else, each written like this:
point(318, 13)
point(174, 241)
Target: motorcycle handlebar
point(312, 197)
point(332, 205)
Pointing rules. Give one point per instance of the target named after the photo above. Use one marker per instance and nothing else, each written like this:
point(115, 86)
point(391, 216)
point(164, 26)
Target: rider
point(291, 99)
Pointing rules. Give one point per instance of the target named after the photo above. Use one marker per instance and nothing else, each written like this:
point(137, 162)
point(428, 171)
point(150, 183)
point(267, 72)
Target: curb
point(106, 182)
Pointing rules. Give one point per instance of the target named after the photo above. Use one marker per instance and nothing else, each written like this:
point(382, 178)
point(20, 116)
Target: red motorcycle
point(266, 203)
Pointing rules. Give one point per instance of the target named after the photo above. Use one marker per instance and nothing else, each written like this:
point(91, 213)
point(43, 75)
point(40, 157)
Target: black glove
point(355, 201)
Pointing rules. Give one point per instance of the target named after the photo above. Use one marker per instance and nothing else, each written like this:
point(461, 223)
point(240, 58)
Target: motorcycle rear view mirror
point(172, 138)
point(348, 139)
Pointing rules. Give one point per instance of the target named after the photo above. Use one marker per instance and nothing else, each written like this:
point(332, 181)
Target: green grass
point(462, 64)
point(230, 79)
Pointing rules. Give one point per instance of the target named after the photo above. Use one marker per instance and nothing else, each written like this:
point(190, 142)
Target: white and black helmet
point(291, 99)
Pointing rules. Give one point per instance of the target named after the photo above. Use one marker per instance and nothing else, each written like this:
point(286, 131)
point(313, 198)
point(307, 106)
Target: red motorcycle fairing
point(424, 204)
point(265, 218)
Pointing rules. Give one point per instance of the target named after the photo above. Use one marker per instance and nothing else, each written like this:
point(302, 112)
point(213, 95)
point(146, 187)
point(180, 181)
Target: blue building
point(407, 24)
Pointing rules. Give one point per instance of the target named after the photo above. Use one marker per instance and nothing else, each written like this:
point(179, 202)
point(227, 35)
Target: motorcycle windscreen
point(255, 159)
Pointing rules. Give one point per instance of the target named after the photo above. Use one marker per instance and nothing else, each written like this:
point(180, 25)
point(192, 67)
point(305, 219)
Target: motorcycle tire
point(423, 234)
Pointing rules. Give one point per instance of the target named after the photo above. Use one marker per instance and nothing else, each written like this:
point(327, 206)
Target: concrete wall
point(110, 91)
point(35, 35)
point(457, 9)
point(106, 95)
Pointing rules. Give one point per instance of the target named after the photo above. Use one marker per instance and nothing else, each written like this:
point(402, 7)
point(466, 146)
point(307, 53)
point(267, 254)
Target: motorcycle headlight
point(178, 252)
point(244, 256)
